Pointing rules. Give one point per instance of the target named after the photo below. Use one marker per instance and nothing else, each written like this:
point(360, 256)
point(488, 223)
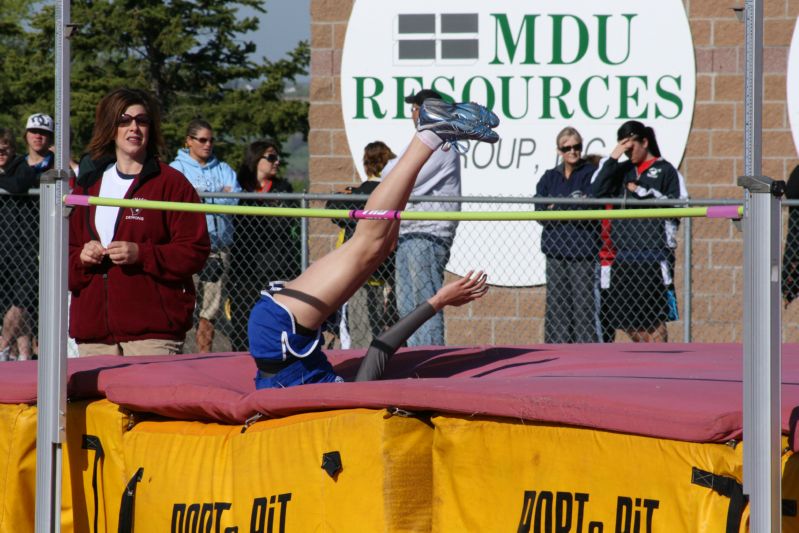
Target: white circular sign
point(540, 66)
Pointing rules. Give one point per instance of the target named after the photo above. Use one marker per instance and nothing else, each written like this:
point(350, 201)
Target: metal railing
point(706, 271)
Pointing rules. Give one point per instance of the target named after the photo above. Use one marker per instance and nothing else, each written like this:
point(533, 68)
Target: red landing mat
point(687, 392)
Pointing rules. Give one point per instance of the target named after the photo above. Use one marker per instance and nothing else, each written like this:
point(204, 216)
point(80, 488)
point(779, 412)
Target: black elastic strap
point(302, 330)
point(726, 486)
point(92, 442)
point(270, 368)
point(127, 507)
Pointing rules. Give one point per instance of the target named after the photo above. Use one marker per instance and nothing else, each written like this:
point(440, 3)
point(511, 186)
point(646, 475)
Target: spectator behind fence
point(39, 139)
point(22, 321)
point(790, 259)
point(130, 269)
point(642, 271)
point(571, 248)
point(607, 253)
point(19, 268)
point(264, 248)
point(424, 245)
point(372, 306)
point(208, 174)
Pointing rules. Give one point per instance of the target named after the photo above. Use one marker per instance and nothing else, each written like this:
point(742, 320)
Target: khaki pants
point(210, 293)
point(142, 347)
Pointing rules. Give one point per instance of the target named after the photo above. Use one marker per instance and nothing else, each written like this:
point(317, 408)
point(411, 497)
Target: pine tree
point(193, 55)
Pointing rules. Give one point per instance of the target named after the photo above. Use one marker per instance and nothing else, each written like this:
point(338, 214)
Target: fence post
point(687, 279)
point(52, 365)
point(304, 235)
point(762, 351)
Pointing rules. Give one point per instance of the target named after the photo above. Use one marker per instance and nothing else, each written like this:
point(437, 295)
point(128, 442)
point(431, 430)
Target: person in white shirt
point(424, 246)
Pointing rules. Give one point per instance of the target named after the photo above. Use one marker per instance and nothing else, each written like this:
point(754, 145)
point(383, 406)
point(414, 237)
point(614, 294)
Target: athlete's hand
point(461, 291)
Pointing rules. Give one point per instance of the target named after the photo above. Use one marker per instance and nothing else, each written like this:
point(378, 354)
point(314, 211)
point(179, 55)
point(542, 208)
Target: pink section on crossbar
point(723, 211)
point(76, 199)
point(375, 215)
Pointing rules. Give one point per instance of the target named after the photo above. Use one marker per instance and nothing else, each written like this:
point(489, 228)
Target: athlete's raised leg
point(334, 278)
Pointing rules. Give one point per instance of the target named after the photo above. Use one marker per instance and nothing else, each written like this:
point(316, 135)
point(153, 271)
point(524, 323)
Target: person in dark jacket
point(642, 271)
point(130, 269)
point(39, 138)
point(571, 248)
point(264, 248)
point(790, 258)
point(19, 266)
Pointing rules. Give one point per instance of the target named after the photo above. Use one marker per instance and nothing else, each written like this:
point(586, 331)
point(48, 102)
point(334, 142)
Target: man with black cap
point(424, 246)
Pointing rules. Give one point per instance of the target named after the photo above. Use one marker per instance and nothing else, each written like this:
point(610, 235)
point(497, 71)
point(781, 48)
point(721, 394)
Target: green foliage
point(193, 55)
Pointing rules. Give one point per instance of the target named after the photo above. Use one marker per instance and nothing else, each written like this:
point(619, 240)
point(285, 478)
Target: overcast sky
point(286, 23)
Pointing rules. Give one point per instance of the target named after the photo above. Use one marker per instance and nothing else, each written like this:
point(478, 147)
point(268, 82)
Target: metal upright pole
point(52, 299)
point(762, 237)
point(304, 254)
point(688, 280)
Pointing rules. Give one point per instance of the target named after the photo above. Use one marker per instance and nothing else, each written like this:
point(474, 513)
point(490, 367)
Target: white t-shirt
point(440, 176)
point(113, 185)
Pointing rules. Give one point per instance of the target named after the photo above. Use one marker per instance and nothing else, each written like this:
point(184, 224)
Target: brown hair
point(196, 125)
point(375, 156)
point(7, 138)
point(108, 112)
point(248, 171)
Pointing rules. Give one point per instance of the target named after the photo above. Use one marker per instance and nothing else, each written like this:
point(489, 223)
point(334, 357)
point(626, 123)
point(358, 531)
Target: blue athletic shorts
point(273, 338)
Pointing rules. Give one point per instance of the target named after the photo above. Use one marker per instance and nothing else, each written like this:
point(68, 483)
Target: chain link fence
point(693, 285)
point(19, 275)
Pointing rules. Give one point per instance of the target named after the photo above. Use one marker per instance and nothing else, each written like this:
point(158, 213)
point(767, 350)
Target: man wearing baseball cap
point(20, 317)
point(416, 99)
point(424, 246)
point(39, 138)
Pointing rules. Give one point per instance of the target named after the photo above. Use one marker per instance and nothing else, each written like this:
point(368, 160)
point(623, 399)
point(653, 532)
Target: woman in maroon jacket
point(130, 270)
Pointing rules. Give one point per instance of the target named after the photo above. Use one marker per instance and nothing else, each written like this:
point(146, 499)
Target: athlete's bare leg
point(333, 279)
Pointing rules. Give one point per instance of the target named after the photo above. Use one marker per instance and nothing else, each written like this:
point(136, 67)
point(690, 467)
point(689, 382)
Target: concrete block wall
point(714, 155)
point(712, 162)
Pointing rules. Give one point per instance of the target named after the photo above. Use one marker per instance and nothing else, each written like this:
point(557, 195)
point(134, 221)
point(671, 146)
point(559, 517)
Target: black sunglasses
point(141, 119)
point(271, 157)
point(576, 147)
point(202, 140)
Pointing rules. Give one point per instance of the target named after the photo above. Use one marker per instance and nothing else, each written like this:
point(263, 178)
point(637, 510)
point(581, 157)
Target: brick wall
point(712, 161)
point(714, 156)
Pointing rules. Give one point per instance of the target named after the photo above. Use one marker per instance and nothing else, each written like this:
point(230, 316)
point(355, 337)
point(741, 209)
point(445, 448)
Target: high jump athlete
point(284, 327)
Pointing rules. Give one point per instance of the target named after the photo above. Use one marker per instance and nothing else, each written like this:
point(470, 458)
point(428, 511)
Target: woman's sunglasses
point(272, 158)
point(202, 140)
point(576, 147)
point(141, 119)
